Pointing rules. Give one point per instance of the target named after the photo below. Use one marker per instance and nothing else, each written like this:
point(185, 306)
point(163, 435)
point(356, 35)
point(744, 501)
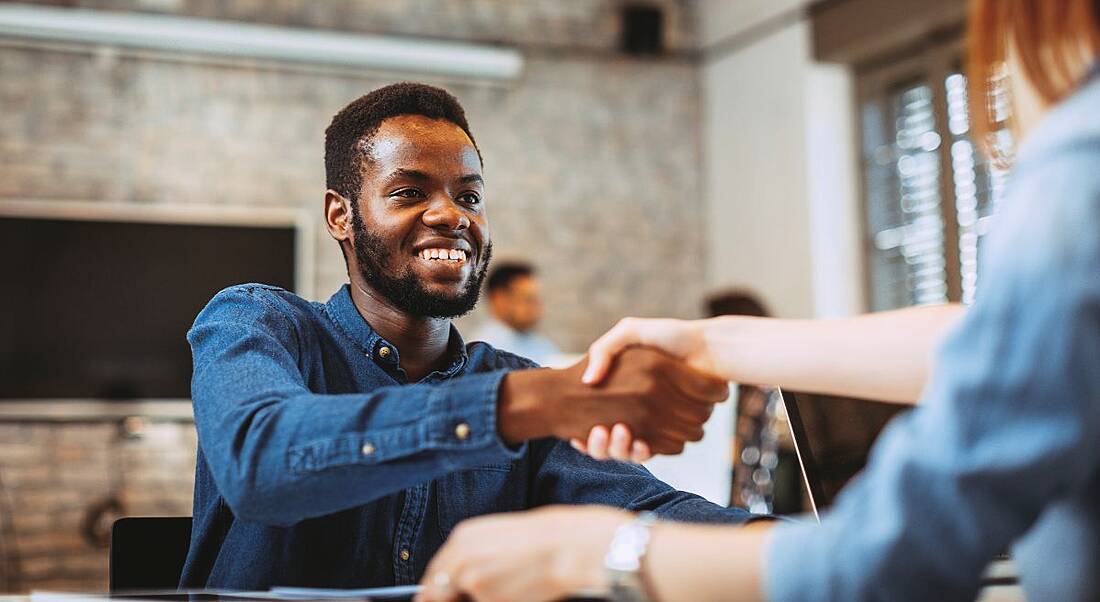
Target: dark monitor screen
point(834, 437)
point(100, 309)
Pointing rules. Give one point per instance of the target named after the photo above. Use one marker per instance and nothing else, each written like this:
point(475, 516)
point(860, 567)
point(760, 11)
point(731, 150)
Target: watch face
point(624, 560)
point(626, 586)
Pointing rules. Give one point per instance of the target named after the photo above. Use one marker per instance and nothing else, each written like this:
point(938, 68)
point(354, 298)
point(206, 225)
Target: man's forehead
point(409, 136)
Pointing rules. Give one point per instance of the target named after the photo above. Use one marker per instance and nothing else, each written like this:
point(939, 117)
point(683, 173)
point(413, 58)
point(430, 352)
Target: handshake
point(662, 399)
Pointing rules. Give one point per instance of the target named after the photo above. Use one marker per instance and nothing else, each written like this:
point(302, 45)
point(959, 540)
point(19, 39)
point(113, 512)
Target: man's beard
point(405, 290)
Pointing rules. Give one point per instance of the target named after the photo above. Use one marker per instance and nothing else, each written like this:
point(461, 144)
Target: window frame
point(930, 61)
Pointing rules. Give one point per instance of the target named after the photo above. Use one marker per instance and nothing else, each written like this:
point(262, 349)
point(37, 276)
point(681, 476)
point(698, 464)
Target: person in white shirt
point(515, 304)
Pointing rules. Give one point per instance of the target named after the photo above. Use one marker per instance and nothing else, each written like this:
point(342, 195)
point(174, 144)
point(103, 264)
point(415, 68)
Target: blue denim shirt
point(320, 465)
point(1005, 446)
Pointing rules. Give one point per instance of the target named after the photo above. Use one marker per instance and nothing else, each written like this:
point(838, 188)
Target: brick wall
point(591, 165)
point(57, 474)
point(591, 158)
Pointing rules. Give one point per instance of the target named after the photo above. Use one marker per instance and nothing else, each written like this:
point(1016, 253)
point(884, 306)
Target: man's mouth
point(452, 256)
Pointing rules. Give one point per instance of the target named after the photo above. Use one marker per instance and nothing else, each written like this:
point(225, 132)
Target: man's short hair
point(504, 274)
point(348, 137)
point(735, 303)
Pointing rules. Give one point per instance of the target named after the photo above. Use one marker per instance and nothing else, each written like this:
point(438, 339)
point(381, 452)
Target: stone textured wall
point(563, 24)
point(57, 480)
point(591, 160)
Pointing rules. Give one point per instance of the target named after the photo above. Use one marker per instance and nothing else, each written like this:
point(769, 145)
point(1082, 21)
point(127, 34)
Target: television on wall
point(98, 309)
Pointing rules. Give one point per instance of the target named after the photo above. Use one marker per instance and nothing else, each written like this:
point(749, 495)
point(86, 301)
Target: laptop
point(811, 471)
point(1000, 572)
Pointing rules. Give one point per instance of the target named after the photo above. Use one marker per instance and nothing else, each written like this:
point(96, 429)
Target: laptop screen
point(833, 437)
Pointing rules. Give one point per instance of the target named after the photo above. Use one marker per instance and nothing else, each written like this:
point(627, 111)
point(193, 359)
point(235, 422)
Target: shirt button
point(368, 449)
point(405, 555)
point(384, 352)
point(462, 431)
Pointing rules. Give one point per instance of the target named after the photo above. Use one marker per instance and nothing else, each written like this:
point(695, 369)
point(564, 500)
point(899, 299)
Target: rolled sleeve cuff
point(793, 563)
point(462, 418)
point(460, 427)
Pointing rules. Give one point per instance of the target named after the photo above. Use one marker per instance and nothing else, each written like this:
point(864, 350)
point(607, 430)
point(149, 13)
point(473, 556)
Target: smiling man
point(339, 443)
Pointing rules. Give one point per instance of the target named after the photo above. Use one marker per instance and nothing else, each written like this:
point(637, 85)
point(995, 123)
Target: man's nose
point(444, 212)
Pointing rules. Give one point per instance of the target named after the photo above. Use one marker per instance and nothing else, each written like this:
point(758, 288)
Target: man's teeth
point(444, 254)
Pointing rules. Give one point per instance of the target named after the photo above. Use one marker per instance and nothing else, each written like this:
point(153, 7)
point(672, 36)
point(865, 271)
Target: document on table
point(402, 592)
point(396, 592)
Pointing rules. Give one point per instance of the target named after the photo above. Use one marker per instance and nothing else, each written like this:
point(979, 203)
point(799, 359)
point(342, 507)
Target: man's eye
point(470, 198)
point(408, 193)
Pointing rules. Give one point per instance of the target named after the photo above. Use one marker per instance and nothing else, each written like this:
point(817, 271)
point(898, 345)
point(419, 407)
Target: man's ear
point(337, 215)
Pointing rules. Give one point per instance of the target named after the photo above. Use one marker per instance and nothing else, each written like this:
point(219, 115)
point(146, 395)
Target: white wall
point(832, 185)
point(721, 19)
point(754, 166)
point(704, 467)
point(780, 171)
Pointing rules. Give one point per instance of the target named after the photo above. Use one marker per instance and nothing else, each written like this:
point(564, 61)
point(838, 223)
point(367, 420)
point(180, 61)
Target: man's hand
point(545, 554)
point(660, 399)
point(683, 339)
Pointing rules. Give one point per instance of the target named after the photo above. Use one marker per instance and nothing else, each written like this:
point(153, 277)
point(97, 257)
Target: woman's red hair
point(1052, 42)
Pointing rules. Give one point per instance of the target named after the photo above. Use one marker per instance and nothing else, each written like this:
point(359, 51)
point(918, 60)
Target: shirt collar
point(1070, 119)
point(342, 311)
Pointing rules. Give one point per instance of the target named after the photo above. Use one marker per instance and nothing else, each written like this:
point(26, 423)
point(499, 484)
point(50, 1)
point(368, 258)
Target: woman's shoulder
point(1049, 226)
point(1071, 127)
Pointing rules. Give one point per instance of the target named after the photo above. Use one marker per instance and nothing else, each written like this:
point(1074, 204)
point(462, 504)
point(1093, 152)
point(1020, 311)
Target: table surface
point(999, 593)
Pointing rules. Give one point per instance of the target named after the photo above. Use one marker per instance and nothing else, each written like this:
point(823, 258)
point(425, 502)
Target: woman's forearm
point(883, 356)
point(705, 562)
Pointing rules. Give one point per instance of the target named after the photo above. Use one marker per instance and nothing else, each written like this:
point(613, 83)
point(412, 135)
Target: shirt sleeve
point(1008, 423)
point(281, 453)
point(565, 476)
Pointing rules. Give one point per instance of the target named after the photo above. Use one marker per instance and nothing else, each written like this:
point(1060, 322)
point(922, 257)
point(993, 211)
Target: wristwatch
point(624, 560)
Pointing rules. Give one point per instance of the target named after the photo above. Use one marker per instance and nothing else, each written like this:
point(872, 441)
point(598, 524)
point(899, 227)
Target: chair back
point(147, 553)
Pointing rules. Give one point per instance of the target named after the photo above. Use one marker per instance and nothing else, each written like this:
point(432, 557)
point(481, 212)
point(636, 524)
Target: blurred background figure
point(756, 451)
point(515, 308)
point(735, 302)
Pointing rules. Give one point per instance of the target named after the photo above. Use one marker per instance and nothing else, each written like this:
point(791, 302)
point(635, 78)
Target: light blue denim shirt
point(530, 345)
point(1004, 449)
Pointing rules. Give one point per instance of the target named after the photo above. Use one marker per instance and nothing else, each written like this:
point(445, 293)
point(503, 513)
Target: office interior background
point(641, 154)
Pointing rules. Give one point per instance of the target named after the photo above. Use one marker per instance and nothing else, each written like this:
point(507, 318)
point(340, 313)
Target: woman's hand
point(545, 554)
point(682, 339)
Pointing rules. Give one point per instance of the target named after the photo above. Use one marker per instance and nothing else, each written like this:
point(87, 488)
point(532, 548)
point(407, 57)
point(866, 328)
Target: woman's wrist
point(721, 339)
point(579, 564)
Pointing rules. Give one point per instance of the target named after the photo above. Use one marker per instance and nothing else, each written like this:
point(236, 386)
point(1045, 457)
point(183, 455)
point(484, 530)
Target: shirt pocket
point(479, 491)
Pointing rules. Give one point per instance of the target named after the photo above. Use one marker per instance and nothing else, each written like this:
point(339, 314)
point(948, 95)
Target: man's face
point(519, 304)
point(419, 230)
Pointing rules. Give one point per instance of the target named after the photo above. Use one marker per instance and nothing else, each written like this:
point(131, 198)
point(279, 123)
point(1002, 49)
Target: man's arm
point(281, 453)
point(562, 475)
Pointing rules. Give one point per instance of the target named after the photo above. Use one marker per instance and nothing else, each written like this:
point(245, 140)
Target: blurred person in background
point(755, 445)
point(1001, 450)
point(515, 308)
